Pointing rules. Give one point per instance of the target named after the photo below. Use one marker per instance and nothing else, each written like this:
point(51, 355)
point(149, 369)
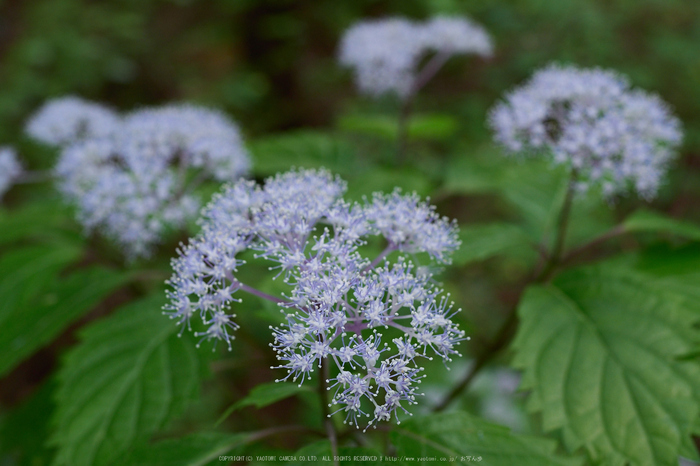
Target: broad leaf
point(465, 439)
point(535, 191)
point(481, 242)
point(429, 127)
point(265, 395)
point(599, 351)
point(39, 219)
point(26, 274)
point(647, 221)
point(24, 430)
point(40, 320)
point(128, 377)
point(303, 149)
point(193, 450)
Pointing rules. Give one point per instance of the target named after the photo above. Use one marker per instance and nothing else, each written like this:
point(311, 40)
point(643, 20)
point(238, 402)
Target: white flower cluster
point(372, 320)
point(135, 181)
point(615, 137)
point(10, 168)
point(68, 119)
point(385, 53)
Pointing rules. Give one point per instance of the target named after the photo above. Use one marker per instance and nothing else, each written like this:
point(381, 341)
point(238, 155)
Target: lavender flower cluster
point(385, 53)
point(615, 137)
point(374, 319)
point(133, 177)
point(10, 168)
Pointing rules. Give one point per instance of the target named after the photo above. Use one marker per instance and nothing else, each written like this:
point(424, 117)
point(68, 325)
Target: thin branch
point(424, 76)
point(554, 259)
point(506, 332)
point(33, 177)
point(260, 294)
point(499, 342)
point(430, 70)
point(325, 411)
point(388, 250)
point(619, 230)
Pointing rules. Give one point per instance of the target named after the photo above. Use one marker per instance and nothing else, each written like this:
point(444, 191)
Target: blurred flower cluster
point(133, 176)
point(374, 319)
point(615, 137)
point(386, 53)
point(10, 168)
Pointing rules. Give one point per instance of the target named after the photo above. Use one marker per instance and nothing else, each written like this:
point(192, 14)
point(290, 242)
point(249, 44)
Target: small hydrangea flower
point(385, 53)
point(137, 182)
point(614, 137)
point(10, 168)
point(373, 320)
point(70, 119)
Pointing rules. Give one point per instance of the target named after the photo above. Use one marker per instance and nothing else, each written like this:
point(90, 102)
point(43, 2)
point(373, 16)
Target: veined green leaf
point(599, 351)
point(128, 377)
point(648, 221)
point(24, 275)
point(38, 321)
point(36, 219)
point(468, 440)
point(265, 395)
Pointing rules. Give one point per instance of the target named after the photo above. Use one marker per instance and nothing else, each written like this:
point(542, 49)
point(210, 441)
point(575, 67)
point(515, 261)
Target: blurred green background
point(271, 63)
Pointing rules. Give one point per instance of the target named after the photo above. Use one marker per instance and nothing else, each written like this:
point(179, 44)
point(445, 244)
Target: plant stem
point(388, 250)
point(325, 412)
point(424, 76)
point(402, 134)
point(33, 177)
point(564, 216)
point(505, 333)
point(499, 342)
point(260, 294)
point(616, 231)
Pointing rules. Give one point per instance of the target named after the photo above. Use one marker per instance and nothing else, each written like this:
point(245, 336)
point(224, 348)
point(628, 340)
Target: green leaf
point(386, 180)
point(38, 219)
point(383, 126)
point(466, 439)
point(265, 395)
point(436, 127)
point(37, 323)
point(193, 450)
point(433, 127)
point(481, 242)
point(599, 352)
point(24, 275)
point(648, 221)
point(535, 191)
point(24, 430)
point(128, 377)
point(302, 149)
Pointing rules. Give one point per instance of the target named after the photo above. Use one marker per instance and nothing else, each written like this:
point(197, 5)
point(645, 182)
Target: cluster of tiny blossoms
point(374, 319)
point(385, 53)
point(10, 168)
point(614, 137)
point(132, 177)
